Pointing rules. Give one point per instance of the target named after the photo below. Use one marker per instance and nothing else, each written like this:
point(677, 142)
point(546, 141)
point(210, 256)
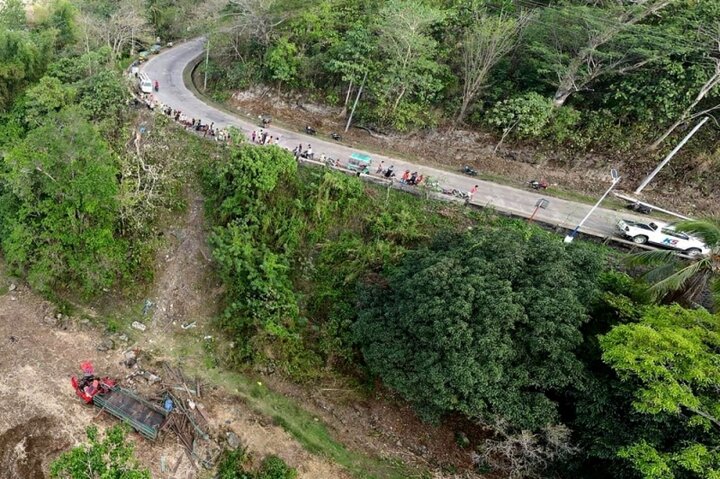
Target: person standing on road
point(471, 193)
point(253, 136)
point(310, 153)
point(380, 168)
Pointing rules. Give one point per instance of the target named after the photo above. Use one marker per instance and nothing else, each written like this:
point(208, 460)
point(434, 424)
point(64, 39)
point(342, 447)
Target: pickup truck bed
point(144, 417)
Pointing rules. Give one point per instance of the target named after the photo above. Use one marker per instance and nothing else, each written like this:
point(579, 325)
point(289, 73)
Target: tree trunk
point(343, 113)
point(463, 109)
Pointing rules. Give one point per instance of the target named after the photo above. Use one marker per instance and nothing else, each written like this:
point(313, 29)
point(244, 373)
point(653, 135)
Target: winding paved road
point(168, 66)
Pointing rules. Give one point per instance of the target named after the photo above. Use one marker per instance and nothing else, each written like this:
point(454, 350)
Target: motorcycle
point(265, 121)
point(469, 171)
point(639, 208)
point(538, 185)
point(310, 130)
point(335, 136)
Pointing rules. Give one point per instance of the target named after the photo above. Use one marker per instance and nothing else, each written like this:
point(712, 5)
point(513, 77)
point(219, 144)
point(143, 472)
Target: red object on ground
point(89, 386)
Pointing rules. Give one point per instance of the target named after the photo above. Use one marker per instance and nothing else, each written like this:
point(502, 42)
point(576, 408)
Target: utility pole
point(615, 179)
point(670, 155)
point(352, 112)
point(207, 60)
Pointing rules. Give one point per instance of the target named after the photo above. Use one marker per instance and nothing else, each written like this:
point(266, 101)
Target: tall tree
point(409, 52)
point(578, 44)
point(485, 42)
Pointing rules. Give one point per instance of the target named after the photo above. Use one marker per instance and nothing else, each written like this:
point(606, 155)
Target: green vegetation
point(570, 366)
point(308, 430)
point(485, 324)
point(108, 457)
point(233, 466)
point(585, 75)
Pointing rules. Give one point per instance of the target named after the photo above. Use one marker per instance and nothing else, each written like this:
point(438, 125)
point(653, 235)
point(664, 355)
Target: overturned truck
point(143, 416)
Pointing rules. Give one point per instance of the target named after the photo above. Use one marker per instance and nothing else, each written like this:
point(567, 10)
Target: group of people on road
point(407, 178)
point(264, 138)
point(193, 124)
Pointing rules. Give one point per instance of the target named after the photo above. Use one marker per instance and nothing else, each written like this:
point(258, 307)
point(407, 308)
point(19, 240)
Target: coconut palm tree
point(673, 278)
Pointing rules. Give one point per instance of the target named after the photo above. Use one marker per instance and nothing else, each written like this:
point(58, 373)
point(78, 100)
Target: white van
point(145, 83)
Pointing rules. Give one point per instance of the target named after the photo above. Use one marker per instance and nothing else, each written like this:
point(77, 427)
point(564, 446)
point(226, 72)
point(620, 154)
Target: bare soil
point(686, 185)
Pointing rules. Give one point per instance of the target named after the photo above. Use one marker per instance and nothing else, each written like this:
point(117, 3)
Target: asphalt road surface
point(168, 66)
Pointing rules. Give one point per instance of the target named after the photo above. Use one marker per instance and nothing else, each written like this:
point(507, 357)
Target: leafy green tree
point(525, 115)
point(281, 61)
point(60, 185)
point(48, 96)
point(23, 57)
point(484, 324)
point(103, 95)
point(102, 458)
point(12, 15)
point(673, 278)
point(671, 356)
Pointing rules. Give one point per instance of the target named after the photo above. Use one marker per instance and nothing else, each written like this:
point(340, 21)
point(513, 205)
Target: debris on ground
point(189, 325)
point(106, 345)
point(139, 326)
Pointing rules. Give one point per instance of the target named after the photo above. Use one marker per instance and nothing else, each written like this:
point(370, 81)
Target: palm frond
point(707, 230)
point(652, 258)
point(714, 286)
point(681, 279)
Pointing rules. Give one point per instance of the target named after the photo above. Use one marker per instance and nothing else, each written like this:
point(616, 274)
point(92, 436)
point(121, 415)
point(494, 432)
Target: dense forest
point(584, 74)
point(569, 360)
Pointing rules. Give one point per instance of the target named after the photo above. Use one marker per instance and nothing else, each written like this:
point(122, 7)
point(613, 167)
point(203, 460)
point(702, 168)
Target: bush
point(524, 115)
point(273, 467)
point(109, 457)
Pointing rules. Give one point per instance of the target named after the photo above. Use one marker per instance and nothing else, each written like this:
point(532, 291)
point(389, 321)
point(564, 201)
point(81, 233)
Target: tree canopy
point(484, 324)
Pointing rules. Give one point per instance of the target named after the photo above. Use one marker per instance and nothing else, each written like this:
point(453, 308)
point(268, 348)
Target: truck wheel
point(640, 239)
point(693, 252)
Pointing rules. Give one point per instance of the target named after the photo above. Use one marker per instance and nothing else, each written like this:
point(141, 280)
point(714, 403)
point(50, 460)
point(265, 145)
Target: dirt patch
point(24, 447)
point(381, 424)
point(684, 186)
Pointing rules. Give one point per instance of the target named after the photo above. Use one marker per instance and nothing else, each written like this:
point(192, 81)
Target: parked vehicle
point(663, 235)
point(265, 120)
point(469, 171)
point(335, 136)
point(538, 185)
point(310, 130)
point(144, 82)
point(639, 208)
point(359, 163)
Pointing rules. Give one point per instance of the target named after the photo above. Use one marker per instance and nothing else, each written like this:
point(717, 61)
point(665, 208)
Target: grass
point(311, 432)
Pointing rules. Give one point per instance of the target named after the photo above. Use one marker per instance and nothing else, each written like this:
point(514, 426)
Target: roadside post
point(542, 203)
point(615, 179)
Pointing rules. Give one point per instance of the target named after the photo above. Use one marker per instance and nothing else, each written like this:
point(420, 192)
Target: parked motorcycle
point(469, 171)
point(335, 136)
point(639, 208)
point(538, 185)
point(265, 120)
point(310, 130)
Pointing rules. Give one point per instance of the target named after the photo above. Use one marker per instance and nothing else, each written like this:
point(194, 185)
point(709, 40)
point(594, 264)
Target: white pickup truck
point(662, 235)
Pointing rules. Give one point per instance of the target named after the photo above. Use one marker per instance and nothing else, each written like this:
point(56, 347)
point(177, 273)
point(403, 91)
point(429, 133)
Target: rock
point(13, 298)
point(130, 359)
point(12, 287)
point(139, 326)
point(106, 345)
point(123, 338)
point(233, 440)
point(150, 377)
